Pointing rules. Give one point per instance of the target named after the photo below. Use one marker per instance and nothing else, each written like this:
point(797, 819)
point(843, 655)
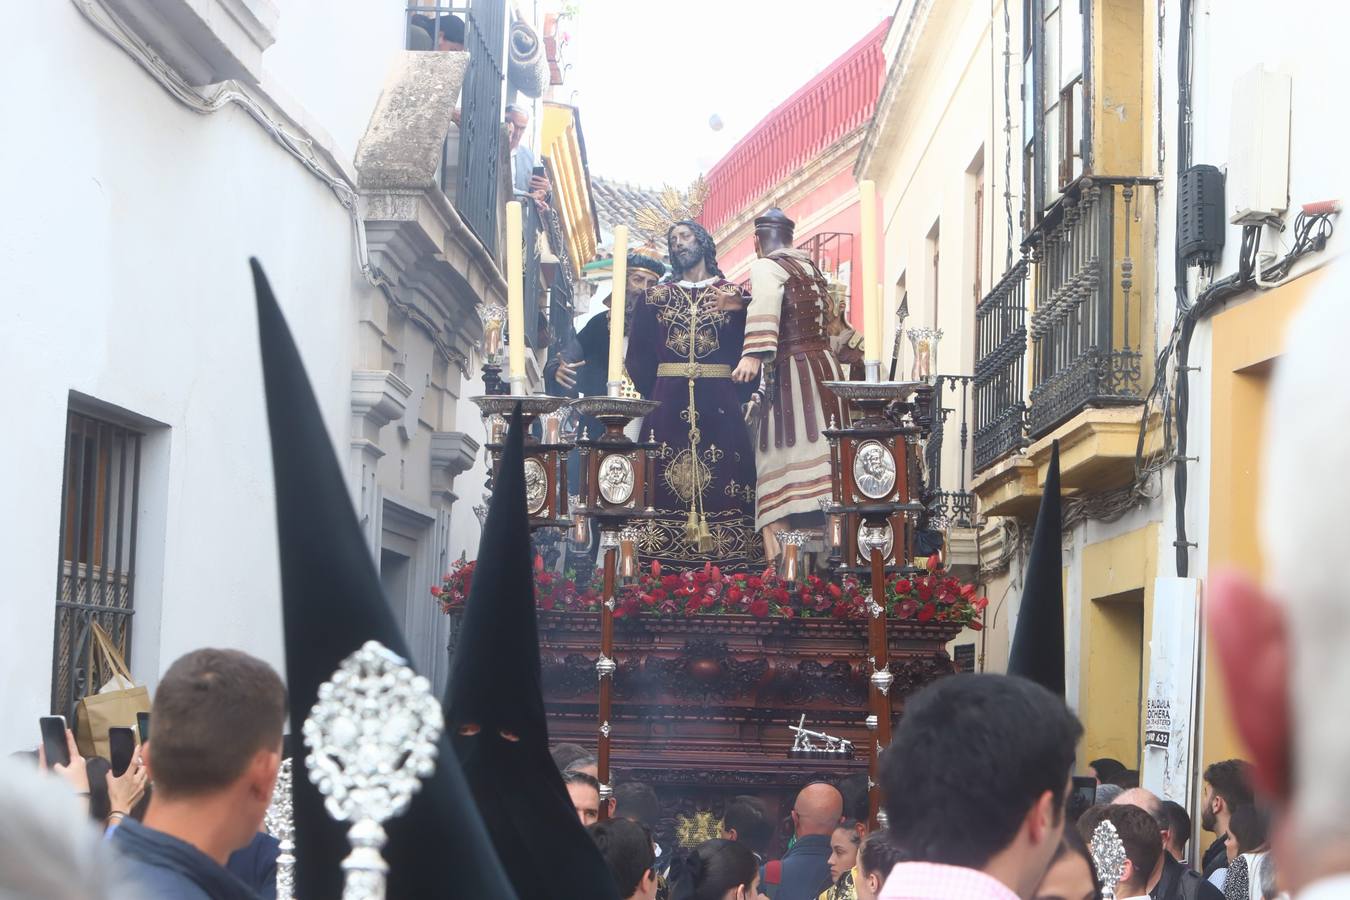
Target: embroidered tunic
point(704, 493)
point(786, 329)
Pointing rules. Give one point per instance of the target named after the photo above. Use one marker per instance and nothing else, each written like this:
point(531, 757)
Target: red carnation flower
point(926, 612)
point(734, 594)
point(834, 591)
point(760, 608)
point(435, 591)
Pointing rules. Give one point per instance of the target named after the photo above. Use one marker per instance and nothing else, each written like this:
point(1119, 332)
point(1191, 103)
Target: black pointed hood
point(332, 603)
point(1037, 649)
point(495, 709)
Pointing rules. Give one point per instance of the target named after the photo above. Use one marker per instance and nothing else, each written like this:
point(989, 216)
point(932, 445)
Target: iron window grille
point(1000, 360)
point(96, 558)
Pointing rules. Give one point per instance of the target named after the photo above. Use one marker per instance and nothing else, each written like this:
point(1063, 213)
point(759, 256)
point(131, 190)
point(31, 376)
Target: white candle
point(515, 294)
point(618, 303)
point(867, 210)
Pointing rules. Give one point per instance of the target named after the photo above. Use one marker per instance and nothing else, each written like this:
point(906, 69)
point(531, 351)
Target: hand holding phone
point(64, 757)
point(54, 748)
point(121, 748)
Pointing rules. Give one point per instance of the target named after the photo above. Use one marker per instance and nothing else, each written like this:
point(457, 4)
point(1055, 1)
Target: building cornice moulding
point(896, 80)
point(204, 41)
point(378, 396)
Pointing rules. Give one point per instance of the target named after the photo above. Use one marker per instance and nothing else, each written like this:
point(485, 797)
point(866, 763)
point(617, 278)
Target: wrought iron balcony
point(1000, 410)
point(472, 156)
point(1086, 334)
point(1087, 330)
point(945, 492)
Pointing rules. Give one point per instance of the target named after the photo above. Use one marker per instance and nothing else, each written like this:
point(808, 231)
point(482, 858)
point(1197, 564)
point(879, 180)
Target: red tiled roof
point(833, 103)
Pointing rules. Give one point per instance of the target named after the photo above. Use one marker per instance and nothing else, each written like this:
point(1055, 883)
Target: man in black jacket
point(582, 366)
point(1171, 880)
point(1228, 785)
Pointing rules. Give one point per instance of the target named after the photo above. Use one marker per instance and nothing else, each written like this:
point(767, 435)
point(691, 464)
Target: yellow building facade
point(1031, 217)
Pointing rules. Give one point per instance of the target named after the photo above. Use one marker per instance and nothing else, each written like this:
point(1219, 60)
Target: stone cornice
point(378, 397)
point(889, 105)
point(454, 451)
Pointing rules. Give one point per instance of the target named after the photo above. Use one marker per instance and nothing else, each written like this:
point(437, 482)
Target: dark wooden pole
point(880, 699)
point(605, 668)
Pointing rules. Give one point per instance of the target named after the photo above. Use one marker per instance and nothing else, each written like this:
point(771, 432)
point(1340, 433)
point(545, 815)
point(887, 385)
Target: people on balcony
point(526, 179)
point(448, 33)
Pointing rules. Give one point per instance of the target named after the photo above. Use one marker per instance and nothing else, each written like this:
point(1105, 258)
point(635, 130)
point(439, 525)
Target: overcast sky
point(647, 75)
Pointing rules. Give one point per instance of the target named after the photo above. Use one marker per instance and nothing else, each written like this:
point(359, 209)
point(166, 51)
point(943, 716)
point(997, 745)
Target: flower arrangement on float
point(930, 595)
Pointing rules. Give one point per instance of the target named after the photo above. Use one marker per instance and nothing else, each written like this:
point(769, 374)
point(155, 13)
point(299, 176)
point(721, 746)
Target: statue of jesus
point(685, 338)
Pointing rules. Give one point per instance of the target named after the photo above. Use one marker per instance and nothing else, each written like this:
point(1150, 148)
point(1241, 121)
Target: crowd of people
point(965, 820)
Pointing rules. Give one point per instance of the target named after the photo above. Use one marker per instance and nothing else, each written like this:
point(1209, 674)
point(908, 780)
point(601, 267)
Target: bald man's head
point(1148, 801)
point(818, 809)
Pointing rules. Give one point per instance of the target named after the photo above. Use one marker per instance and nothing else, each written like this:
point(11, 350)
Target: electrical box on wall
point(1200, 209)
point(1258, 159)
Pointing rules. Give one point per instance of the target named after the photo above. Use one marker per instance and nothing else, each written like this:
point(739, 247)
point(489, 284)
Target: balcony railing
point(945, 493)
point(1087, 330)
point(472, 156)
point(532, 227)
point(1000, 413)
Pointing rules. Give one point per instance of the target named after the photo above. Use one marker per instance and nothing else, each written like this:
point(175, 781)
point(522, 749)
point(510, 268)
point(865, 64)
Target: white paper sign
point(1169, 719)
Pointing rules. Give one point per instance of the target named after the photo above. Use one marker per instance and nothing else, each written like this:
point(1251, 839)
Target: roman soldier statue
point(793, 336)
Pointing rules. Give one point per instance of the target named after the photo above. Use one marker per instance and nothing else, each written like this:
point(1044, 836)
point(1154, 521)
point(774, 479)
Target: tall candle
point(515, 294)
point(618, 303)
point(867, 209)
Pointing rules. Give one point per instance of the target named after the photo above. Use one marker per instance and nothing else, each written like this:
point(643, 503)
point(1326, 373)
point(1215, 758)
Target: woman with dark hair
point(875, 861)
point(714, 870)
point(1248, 847)
point(1071, 875)
point(844, 846)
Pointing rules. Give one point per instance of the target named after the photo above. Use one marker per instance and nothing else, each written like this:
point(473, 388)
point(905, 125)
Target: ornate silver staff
point(1108, 855)
point(372, 737)
point(279, 820)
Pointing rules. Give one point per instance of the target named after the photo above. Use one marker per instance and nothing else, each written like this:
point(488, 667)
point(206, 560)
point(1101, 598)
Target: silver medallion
point(616, 479)
point(536, 485)
point(874, 470)
point(880, 536)
point(372, 737)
